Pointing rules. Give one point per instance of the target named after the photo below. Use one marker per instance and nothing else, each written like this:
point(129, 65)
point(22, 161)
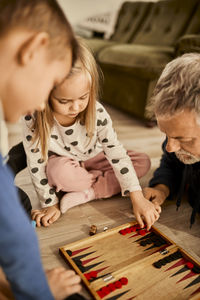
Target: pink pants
point(69, 175)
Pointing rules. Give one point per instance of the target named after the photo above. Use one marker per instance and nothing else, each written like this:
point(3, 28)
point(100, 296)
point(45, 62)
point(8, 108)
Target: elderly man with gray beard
point(176, 105)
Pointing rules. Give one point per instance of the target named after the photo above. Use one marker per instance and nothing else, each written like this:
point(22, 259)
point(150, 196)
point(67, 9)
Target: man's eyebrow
point(182, 137)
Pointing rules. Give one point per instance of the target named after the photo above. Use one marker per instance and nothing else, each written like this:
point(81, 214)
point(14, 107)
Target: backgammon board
point(128, 262)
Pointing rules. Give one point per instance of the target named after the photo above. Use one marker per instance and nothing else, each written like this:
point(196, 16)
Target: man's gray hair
point(178, 87)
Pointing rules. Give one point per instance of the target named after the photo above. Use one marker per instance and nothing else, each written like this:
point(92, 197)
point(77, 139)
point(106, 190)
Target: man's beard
point(191, 159)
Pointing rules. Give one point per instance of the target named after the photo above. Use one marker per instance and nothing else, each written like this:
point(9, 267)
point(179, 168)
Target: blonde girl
point(73, 153)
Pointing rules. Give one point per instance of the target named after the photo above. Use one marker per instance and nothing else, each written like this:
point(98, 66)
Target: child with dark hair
point(37, 50)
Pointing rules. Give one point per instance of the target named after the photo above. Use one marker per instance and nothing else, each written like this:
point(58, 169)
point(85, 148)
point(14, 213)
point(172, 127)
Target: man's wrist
point(163, 188)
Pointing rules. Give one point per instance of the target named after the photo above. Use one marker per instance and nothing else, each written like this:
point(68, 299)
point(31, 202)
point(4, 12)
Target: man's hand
point(63, 282)
point(157, 194)
point(144, 210)
point(46, 216)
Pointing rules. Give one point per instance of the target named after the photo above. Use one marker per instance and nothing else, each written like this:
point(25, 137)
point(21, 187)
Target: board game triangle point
point(197, 280)
point(195, 292)
point(118, 295)
point(84, 262)
point(80, 250)
point(187, 276)
point(182, 261)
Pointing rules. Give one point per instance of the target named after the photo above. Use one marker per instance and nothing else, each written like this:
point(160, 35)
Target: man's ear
point(31, 47)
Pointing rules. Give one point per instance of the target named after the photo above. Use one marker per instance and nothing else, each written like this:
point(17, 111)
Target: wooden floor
point(75, 224)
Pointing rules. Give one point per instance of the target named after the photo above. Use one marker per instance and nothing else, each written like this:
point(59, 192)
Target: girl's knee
point(145, 164)
point(59, 169)
point(67, 174)
point(141, 163)
point(145, 159)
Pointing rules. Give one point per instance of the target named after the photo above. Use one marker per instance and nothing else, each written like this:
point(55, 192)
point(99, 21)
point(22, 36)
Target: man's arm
point(169, 173)
point(166, 179)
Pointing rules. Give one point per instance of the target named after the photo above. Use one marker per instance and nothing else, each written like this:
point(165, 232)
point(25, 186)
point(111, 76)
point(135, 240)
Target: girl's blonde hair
point(43, 121)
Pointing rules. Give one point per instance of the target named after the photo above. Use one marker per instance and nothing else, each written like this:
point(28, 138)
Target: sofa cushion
point(130, 17)
point(97, 44)
point(194, 25)
point(166, 22)
point(188, 43)
point(143, 61)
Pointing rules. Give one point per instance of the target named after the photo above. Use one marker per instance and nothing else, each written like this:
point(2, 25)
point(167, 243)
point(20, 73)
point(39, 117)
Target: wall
point(78, 11)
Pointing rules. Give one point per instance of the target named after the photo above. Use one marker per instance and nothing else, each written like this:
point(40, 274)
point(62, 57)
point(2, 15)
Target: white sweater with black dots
point(73, 142)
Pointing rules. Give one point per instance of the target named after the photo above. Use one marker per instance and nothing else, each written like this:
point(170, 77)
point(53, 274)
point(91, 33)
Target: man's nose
point(173, 145)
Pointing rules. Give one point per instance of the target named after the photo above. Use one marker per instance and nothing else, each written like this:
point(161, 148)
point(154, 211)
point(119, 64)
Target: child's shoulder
point(100, 108)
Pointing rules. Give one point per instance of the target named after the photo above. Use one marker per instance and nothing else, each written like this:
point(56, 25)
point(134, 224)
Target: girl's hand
point(63, 283)
point(144, 209)
point(46, 216)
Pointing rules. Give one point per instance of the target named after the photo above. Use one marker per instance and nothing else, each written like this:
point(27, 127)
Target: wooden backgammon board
point(128, 262)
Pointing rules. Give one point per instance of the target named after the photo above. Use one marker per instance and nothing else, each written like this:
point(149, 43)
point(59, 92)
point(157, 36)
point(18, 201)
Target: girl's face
point(71, 98)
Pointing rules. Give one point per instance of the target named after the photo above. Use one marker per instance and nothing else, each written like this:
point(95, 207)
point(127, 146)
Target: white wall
point(78, 10)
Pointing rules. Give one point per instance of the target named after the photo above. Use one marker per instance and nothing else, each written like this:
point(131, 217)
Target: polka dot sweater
point(72, 141)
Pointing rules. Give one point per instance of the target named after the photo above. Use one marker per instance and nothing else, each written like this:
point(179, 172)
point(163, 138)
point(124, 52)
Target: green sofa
point(190, 42)
point(144, 41)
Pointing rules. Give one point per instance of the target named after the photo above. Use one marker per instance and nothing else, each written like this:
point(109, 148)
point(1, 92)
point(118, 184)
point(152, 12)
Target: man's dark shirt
point(179, 177)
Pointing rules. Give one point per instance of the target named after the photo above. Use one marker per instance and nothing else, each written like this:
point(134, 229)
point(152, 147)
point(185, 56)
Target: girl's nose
point(75, 106)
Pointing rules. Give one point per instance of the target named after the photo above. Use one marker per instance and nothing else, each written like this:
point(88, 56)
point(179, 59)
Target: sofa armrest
point(188, 43)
